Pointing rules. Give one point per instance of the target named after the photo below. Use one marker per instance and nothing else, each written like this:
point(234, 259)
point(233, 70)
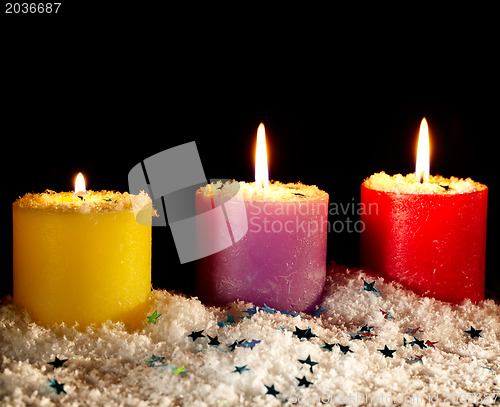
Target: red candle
point(426, 232)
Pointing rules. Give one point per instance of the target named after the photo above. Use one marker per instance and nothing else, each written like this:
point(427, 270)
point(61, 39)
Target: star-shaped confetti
point(154, 359)
point(152, 318)
point(345, 349)
point(235, 344)
point(418, 342)
point(304, 382)
point(251, 310)
point(59, 387)
point(230, 320)
point(387, 315)
point(372, 287)
point(213, 341)
point(288, 312)
point(267, 309)
point(430, 344)
point(328, 346)
point(196, 334)
point(304, 333)
point(240, 369)
point(248, 344)
point(416, 358)
point(57, 362)
point(414, 331)
point(317, 312)
point(179, 370)
point(386, 352)
point(309, 362)
point(282, 328)
point(369, 286)
point(366, 328)
point(474, 333)
point(364, 332)
point(355, 336)
point(272, 391)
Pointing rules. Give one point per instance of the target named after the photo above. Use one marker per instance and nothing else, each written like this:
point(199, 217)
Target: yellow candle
point(82, 259)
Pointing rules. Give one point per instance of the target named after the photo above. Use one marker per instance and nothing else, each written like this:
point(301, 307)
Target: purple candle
point(281, 259)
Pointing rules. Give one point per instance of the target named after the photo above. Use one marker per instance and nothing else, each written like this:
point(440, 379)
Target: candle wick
point(421, 177)
point(80, 194)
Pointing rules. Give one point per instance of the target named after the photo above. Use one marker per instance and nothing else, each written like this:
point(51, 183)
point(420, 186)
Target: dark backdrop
point(334, 115)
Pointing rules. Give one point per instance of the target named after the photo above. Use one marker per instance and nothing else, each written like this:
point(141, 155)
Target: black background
point(339, 103)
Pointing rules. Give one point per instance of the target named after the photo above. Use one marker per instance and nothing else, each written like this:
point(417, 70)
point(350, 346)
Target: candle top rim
point(274, 191)
point(93, 201)
point(407, 184)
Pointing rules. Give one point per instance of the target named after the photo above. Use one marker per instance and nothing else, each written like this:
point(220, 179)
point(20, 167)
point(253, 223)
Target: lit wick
point(261, 170)
point(80, 190)
point(422, 166)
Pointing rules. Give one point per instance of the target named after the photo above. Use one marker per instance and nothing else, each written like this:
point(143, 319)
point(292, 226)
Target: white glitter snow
point(107, 366)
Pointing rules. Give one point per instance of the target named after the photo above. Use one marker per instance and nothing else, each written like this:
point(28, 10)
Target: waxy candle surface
point(82, 260)
point(430, 236)
point(281, 260)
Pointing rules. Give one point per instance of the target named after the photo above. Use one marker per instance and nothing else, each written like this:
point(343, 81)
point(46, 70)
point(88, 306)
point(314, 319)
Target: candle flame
point(422, 168)
point(80, 185)
point(261, 170)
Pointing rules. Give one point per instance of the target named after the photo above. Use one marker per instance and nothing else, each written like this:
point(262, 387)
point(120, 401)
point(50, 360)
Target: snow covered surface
point(110, 366)
point(274, 192)
point(437, 184)
point(94, 201)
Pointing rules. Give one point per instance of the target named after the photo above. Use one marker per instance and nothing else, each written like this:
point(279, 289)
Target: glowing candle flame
point(422, 168)
point(261, 170)
point(80, 185)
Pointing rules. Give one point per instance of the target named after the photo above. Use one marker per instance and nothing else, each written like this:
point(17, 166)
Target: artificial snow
point(275, 191)
point(110, 366)
point(437, 184)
